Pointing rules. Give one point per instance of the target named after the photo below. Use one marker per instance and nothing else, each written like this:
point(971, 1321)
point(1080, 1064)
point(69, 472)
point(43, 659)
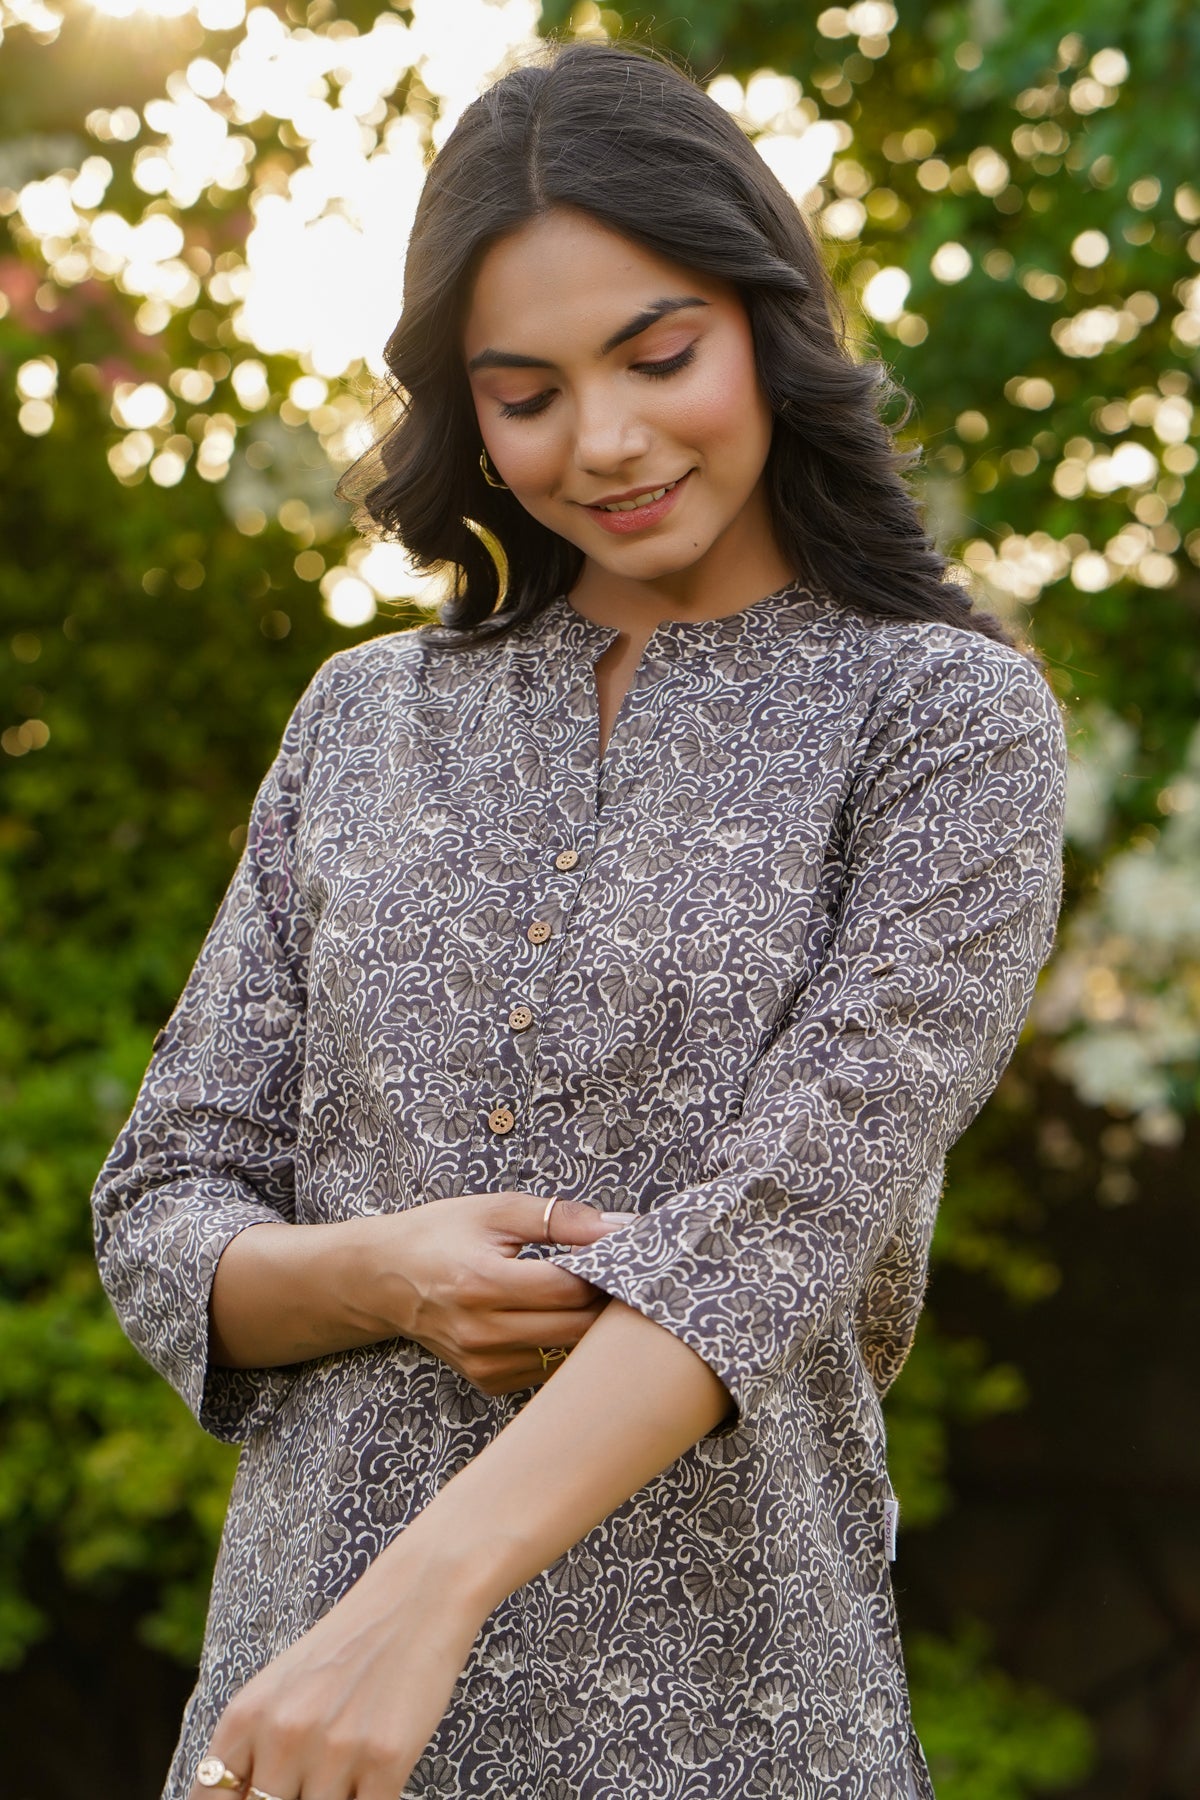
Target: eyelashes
point(656, 371)
point(522, 409)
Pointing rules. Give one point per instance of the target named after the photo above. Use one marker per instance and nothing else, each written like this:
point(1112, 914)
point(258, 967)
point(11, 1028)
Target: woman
point(608, 971)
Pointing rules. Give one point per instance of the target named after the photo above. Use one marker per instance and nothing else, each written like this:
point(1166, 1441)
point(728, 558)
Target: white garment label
point(891, 1519)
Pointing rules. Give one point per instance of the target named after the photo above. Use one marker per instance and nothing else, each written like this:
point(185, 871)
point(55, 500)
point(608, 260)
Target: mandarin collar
point(788, 609)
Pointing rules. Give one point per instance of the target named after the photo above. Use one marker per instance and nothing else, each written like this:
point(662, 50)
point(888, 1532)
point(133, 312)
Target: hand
point(345, 1712)
point(449, 1277)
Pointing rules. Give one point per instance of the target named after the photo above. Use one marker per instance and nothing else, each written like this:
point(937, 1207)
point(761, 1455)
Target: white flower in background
point(1101, 759)
point(1122, 995)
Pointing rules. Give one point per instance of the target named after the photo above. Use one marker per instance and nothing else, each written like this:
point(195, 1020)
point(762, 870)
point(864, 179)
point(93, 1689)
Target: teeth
point(641, 499)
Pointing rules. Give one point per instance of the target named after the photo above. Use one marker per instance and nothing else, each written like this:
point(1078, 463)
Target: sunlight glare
point(160, 9)
point(318, 275)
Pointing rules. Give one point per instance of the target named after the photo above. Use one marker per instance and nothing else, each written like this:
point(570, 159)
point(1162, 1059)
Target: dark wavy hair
point(619, 133)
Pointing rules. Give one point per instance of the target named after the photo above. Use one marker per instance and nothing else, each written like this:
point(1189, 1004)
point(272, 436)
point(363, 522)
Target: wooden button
point(566, 859)
point(500, 1120)
point(520, 1018)
point(538, 932)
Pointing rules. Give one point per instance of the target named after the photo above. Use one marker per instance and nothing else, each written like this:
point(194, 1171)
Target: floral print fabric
point(816, 874)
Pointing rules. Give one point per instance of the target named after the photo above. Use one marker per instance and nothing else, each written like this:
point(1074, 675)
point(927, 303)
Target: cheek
point(530, 456)
point(723, 408)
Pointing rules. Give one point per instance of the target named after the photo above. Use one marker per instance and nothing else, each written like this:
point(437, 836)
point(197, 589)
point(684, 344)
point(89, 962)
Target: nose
point(608, 433)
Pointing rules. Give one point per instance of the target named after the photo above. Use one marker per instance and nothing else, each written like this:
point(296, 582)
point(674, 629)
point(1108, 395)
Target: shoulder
point(397, 668)
point(957, 684)
point(359, 696)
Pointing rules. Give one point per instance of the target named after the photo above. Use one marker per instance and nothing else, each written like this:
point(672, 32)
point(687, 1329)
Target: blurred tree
point(168, 508)
point(188, 324)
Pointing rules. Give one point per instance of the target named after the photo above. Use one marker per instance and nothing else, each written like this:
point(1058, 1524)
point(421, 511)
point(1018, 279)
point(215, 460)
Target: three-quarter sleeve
point(208, 1148)
point(952, 834)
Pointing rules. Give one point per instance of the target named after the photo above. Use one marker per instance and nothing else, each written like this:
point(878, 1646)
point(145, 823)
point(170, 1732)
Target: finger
point(537, 1285)
point(269, 1742)
point(527, 1331)
point(227, 1756)
point(575, 1222)
point(571, 1221)
point(529, 1375)
point(504, 1374)
point(520, 1365)
point(277, 1771)
point(494, 1335)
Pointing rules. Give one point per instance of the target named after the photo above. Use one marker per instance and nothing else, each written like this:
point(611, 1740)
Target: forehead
point(566, 280)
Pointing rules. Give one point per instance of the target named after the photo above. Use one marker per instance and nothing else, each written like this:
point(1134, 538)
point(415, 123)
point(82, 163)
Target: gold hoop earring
point(491, 479)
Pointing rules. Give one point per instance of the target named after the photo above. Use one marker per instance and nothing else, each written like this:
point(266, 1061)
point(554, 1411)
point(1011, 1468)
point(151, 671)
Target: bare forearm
point(285, 1293)
point(445, 1274)
point(628, 1401)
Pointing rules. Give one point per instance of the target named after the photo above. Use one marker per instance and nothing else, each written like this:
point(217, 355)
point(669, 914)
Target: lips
point(639, 510)
point(628, 502)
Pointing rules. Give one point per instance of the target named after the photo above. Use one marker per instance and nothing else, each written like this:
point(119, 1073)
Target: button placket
point(519, 1018)
point(555, 846)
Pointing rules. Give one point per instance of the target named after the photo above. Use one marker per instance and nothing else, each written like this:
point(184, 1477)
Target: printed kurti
point(817, 872)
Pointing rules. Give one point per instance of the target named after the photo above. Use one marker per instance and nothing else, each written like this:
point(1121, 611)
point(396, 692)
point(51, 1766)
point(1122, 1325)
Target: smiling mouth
point(645, 499)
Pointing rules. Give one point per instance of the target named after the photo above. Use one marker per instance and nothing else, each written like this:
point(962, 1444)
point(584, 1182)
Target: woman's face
point(602, 374)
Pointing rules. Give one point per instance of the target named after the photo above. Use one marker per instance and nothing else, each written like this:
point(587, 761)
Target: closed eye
point(669, 367)
point(524, 409)
point(657, 371)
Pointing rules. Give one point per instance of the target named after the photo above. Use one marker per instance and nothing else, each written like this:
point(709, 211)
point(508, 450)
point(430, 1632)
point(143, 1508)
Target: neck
point(743, 565)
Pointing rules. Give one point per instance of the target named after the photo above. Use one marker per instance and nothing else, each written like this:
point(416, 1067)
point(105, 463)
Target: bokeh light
point(886, 292)
point(315, 281)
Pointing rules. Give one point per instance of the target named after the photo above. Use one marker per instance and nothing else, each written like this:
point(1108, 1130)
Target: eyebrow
point(658, 309)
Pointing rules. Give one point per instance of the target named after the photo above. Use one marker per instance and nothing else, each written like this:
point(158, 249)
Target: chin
point(663, 569)
point(646, 562)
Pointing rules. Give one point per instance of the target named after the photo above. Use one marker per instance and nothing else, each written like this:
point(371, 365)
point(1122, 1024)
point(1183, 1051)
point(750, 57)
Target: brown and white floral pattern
point(819, 870)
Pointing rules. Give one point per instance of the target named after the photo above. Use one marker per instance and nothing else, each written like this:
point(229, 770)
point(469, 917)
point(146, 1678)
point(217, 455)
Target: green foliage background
point(162, 646)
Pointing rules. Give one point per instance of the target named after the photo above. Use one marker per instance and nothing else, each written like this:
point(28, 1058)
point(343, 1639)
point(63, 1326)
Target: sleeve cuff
point(232, 1404)
point(160, 1291)
point(630, 1267)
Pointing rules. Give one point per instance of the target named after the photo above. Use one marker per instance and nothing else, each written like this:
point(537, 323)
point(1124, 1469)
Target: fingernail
point(616, 1218)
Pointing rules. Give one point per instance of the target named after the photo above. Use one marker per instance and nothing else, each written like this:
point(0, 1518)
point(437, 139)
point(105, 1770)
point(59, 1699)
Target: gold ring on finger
point(212, 1773)
point(255, 1793)
point(546, 1219)
point(550, 1357)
